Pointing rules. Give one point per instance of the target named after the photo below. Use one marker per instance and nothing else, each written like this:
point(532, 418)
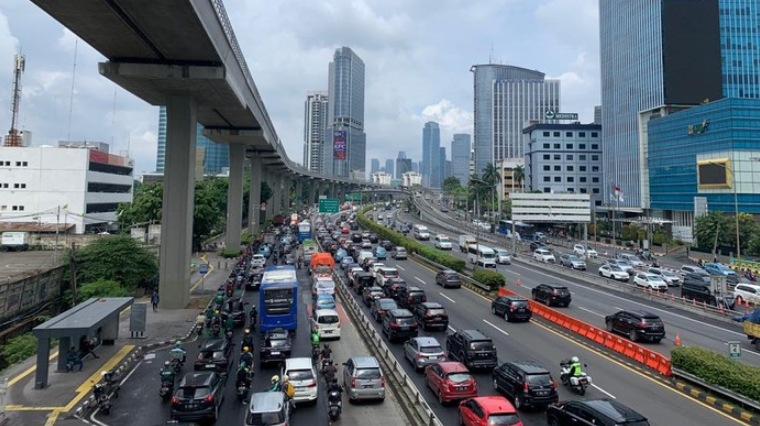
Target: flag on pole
point(618, 194)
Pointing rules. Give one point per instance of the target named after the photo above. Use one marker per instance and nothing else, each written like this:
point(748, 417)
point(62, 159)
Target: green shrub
point(229, 253)
point(489, 278)
point(246, 238)
point(716, 369)
point(17, 350)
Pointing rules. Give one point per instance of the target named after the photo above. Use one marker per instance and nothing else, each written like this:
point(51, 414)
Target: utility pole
point(73, 266)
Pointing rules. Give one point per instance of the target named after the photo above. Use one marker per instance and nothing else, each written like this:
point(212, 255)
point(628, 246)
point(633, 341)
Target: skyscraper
point(416, 166)
point(314, 127)
point(431, 151)
point(598, 114)
point(505, 98)
point(216, 156)
point(440, 169)
point(648, 63)
point(460, 158)
point(389, 168)
point(374, 166)
point(345, 121)
point(403, 164)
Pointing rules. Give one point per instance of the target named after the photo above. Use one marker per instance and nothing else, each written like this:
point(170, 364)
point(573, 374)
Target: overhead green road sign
point(329, 205)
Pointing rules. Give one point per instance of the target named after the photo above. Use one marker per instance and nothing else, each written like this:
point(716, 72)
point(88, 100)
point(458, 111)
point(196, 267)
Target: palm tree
point(492, 178)
point(518, 175)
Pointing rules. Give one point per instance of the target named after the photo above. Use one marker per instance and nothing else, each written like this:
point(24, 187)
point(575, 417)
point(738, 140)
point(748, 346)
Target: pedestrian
point(154, 298)
point(89, 348)
point(73, 360)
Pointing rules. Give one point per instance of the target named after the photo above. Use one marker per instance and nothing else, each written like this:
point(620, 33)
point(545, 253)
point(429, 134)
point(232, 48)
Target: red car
point(488, 411)
point(450, 381)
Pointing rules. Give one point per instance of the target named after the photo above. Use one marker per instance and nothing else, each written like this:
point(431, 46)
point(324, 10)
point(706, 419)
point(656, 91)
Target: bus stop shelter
point(92, 318)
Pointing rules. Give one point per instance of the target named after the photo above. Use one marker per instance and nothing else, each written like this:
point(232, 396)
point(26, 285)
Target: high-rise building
point(505, 98)
point(216, 156)
point(401, 154)
point(431, 151)
point(416, 166)
point(403, 165)
point(314, 127)
point(374, 166)
point(460, 158)
point(598, 114)
point(655, 54)
point(447, 170)
point(346, 155)
point(389, 167)
point(440, 169)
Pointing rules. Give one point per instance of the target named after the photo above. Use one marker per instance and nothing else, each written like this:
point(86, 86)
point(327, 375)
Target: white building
point(62, 187)
point(381, 178)
point(314, 127)
point(410, 179)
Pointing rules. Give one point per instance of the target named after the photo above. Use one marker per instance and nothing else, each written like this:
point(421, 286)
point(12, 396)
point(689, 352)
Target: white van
point(323, 285)
point(303, 376)
point(481, 255)
point(327, 323)
point(442, 242)
point(421, 232)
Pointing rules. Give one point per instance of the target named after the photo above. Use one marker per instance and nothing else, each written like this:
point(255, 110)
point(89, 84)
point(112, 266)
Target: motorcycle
point(167, 388)
point(103, 400)
point(242, 390)
point(228, 335)
point(750, 276)
point(334, 404)
point(216, 328)
point(576, 384)
point(177, 364)
point(315, 352)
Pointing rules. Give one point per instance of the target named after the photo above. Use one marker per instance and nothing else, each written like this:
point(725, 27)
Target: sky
point(417, 56)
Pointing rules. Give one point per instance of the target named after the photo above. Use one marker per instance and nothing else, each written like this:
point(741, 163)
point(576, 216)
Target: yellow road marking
point(203, 277)
point(53, 418)
point(29, 370)
point(87, 386)
point(25, 408)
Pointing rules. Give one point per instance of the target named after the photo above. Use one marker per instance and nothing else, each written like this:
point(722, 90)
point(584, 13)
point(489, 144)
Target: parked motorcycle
point(576, 384)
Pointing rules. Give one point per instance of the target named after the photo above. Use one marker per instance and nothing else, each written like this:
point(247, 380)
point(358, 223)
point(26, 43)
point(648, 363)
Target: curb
point(725, 407)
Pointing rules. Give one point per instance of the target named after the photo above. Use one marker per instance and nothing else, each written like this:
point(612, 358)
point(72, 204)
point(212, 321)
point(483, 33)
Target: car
point(622, 264)
point(380, 253)
point(373, 238)
point(380, 307)
point(431, 315)
point(450, 381)
point(275, 346)
point(472, 348)
point(399, 323)
point(392, 287)
point(373, 268)
point(615, 272)
point(356, 237)
point(347, 260)
point(235, 308)
point(527, 383)
point(423, 351)
point(535, 245)
point(512, 308)
point(652, 281)
point(353, 270)
point(582, 250)
point(699, 288)
point(326, 323)
point(323, 301)
point(258, 261)
point(366, 244)
point(543, 255)
point(637, 325)
point(363, 378)
point(369, 294)
point(448, 278)
point(214, 355)
point(340, 254)
point(198, 396)
point(442, 242)
point(384, 274)
point(599, 412)
point(268, 408)
point(572, 261)
point(747, 292)
point(632, 259)
point(400, 253)
point(691, 269)
point(409, 297)
point(719, 269)
point(323, 285)
point(552, 294)
point(488, 411)
point(671, 278)
point(503, 257)
point(361, 280)
point(444, 209)
point(302, 374)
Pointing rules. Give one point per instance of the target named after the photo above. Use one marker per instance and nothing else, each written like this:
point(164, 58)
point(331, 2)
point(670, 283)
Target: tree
point(208, 215)
point(713, 230)
point(102, 288)
point(145, 207)
point(451, 184)
point(119, 258)
point(518, 175)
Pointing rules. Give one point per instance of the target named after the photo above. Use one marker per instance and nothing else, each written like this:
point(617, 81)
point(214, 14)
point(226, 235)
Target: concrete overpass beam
point(235, 196)
point(179, 202)
point(255, 195)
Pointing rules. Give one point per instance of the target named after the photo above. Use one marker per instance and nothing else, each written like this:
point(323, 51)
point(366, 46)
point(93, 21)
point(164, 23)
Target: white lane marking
point(401, 267)
point(619, 308)
point(447, 297)
point(746, 350)
point(603, 391)
point(453, 330)
point(590, 311)
point(418, 279)
point(492, 325)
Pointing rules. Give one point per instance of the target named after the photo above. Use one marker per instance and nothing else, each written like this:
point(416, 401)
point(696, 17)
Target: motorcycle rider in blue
point(178, 352)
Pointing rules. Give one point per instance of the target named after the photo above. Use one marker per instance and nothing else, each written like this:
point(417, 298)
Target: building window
point(596, 190)
point(17, 208)
point(558, 178)
point(570, 157)
point(570, 179)
point(583, 179)
point(594, 158)
point(546, 134)
point(102, 207)
point(582, 146)
point(547, 146)
point(595, 180)
point(568, 134)
point(581, 134)
point(569, 146)
point(19, 186)
point(4, 185)
point(14, 208)
point(547, 157)
point(557, 146)
point(594, 146)
point(556, 134)
point(547, 190)
point(547, 168)
point(571, 190)
point(570, 168)
point(557, 168)
point(582, 157)
point(3, 208)
point(594, 134)
point(583, 190)
point(547, 179)
point(557, 157)
point(594, 168)
point(582, 168)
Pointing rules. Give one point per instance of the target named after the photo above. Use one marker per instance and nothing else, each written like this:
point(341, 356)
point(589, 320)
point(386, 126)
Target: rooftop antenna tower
point(14, 138)
point(73, 82)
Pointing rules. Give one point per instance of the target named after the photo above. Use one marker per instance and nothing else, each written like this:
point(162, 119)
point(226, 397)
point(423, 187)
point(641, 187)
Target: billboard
point(339, 144)
point(551, 208)
point(714, 174)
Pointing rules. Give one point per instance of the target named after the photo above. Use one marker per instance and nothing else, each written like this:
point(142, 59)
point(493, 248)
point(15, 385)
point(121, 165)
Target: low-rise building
point(381, 178)
point(410, 179)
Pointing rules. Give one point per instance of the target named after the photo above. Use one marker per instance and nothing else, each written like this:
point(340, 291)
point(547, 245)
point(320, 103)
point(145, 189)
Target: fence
point(27, 294)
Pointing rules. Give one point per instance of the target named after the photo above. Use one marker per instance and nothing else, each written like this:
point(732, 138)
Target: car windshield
point(431, 349)
point(368, 373)
point(328, 319)
point(520, 303)
point(539, 379)
point(300, 375)
point(194, 392)
point(325, 284)
point(458, 377)
point(274, 418)
point(436, 311)
point(503, 420)
point(388, 305)
point(278, 343)
point(615, 268)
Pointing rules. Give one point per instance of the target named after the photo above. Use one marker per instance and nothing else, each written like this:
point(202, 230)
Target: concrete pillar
point(179, 202)
point(110, 331)
point(299, 194)
point(313, 184)
point(235, 196)
point(333, 191)
point(64, 344)
point(43, 362)
point(277, 195)
point(255, 195)
point(270, 202)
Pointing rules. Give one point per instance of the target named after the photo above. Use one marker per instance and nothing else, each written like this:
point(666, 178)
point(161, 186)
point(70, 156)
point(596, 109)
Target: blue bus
point(278, 298)
point(304, 231)
point(505, 227)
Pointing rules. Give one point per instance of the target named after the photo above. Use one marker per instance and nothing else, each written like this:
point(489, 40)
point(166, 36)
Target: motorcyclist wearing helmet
point(246, 357)
point(333, 386)
point(572, 367)
point(178, 352)
point(247, 338)
point(275, 384)
point(244, 374)
point(329, 371)
point(200, 320)
point(326, 352)
point(167, 373)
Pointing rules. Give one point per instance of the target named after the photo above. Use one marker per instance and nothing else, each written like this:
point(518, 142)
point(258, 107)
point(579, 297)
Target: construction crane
point(13, 138)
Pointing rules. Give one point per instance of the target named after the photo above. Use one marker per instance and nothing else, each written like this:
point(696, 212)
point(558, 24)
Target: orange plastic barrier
point(619, 345)
point(639, 355)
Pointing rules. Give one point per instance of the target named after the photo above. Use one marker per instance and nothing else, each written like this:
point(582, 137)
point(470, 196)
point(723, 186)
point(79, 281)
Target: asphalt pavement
point(536, 341)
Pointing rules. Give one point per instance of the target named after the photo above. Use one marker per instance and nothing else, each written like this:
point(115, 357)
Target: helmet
point(575, 359)
point(275, 379)
point(167, 363)
point(245, 348)
point(177, 343)
point(327, 346)
point(247, 331)
point(285, 378)
point(103, 373)
point(216, 312)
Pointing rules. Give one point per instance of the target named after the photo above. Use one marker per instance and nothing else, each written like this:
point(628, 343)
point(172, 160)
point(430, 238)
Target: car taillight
point(554, 384)
point(641, 325)
point(353, 383)
point(210, 398)
point(395, 324)
point(428, 314)
point(409, 299)
point(424, 299)
point(512, 308)
point(312, 385)
point(526, 387)
point(420, 356)
point(175, 400)
point(555, 293)
point(382, 382)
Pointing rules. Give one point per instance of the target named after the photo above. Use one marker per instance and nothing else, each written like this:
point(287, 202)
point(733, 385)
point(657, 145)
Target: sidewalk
point(56, 404)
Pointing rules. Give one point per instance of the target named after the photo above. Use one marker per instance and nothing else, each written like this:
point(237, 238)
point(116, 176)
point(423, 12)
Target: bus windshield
point(278, 301)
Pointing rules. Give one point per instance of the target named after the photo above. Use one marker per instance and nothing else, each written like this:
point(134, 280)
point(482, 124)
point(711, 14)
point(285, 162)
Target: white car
point(655, 282)
point(323, 285)
point(750, 292)
point(581, 250)
point(374, 267)
point(383, 274)
point(442, 242)
point(670, 278)
point(544, 255)
point(258, 261)
point(615, 272)
point(326, 323)
point(303, 376)
point(503, 257)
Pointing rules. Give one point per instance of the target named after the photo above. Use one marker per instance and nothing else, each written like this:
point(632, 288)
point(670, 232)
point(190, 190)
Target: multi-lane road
point(592, 303)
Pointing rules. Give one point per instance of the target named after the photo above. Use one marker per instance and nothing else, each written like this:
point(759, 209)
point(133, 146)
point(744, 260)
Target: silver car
point(572, 261)
point(423, 351)
point(268, 408)
point(670, 278)
point(363, 378)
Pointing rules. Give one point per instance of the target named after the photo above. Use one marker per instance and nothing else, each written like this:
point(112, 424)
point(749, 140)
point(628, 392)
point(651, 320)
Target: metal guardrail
point(720, 391)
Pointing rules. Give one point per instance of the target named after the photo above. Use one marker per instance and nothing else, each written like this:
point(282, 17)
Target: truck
point(465, 241)
point(15, 241)
point(752, 328)
point(321, 264)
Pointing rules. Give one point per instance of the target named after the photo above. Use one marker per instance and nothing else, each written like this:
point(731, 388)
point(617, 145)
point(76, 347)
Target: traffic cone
point(678, 339)
point(519, 282)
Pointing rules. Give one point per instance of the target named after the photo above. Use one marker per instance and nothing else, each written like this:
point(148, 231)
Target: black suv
point(360, 280)
point(198, 396)
point(596, 412)
point(527, 383)
point(431, 315)
point(409, 297)
point(637, 325)
point(399, 323)
point(392, 287)
point(552, 294)
point(472, 348)
point(275, 346)
point(697, 286)
point(448, 278)
point(235, 308)
point(380, 307)
point(512, 308)
point(214, 355)
point(535, 245)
